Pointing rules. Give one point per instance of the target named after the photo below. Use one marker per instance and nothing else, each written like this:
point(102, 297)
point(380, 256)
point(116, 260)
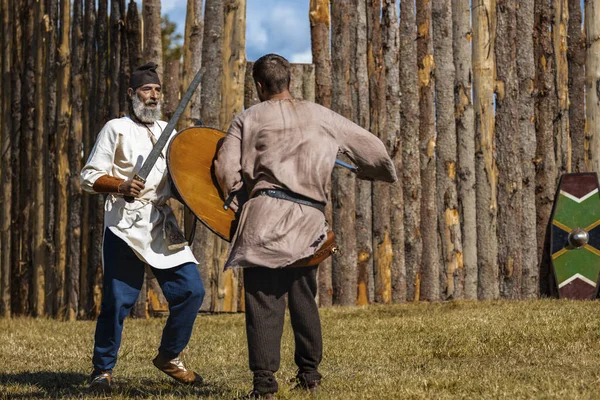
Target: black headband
point(144, 75)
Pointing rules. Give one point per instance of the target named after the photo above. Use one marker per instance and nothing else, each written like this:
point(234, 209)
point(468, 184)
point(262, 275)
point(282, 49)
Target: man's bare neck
point(285, 95)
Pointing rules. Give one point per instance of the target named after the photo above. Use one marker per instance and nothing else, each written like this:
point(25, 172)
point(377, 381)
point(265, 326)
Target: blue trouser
point(123, 278)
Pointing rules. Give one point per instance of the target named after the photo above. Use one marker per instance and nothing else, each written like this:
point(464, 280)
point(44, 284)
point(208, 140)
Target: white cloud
point(256, 35)
point(275, 26)
point(304, 57)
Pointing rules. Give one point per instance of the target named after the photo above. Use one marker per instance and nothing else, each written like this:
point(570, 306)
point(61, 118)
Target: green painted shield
point(577, 205)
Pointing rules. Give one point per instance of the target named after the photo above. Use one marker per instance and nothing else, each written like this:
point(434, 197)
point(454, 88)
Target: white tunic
point(120, 151)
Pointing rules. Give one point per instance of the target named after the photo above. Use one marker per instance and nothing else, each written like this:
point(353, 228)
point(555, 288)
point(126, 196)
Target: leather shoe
point(176, 370)
point(100, 382)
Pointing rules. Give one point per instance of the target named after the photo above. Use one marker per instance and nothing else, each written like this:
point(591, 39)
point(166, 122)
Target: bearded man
point(139, 233)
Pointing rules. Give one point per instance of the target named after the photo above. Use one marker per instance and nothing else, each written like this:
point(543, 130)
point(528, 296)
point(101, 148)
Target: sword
point(162, 141)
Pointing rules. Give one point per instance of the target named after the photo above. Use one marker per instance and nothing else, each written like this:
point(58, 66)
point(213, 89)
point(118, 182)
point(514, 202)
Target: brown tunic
point(289, 144)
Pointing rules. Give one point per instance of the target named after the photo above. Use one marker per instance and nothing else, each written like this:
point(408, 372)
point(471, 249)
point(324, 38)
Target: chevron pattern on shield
point(576, 211)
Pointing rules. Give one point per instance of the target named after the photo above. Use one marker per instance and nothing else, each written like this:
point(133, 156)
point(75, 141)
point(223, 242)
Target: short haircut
point(273, 73)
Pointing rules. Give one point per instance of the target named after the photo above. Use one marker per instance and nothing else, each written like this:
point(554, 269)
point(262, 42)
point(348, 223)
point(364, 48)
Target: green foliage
point(171, 41)
point(469, 350)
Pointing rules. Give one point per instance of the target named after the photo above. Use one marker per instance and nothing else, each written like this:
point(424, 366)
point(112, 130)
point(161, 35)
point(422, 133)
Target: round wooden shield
point(190, 162)
point(575, 236)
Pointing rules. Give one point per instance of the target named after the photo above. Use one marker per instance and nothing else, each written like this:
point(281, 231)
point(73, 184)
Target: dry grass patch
point(513, 350)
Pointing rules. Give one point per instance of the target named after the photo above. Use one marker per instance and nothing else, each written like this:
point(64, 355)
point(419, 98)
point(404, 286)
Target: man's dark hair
point(273, 73)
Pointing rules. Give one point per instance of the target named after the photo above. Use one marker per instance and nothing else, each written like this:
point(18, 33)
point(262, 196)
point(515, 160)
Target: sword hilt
point(130, 199)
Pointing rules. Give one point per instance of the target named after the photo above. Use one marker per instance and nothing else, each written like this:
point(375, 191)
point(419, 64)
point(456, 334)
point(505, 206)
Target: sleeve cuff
point(107, 184)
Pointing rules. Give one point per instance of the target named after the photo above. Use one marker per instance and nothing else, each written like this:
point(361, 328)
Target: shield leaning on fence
point(575, 239)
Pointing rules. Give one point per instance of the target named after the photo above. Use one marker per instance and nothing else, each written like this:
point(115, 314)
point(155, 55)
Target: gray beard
point(145, 114)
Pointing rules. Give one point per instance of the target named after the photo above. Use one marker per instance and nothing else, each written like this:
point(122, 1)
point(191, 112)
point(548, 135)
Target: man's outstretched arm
point(365, 150)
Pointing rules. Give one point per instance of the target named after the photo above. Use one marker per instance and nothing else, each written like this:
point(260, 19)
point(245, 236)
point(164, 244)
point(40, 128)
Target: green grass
point(471, 350)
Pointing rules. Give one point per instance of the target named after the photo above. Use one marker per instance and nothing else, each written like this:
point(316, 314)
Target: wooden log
point(320, 24)
point(205, 241)
point(308, 82)
point(212, 56)
point(39, 149)
point(124, 67)
point(526, 75)
point(391, 51)
point(4, 11)
point(62, 160)
point(344, 275)
point(391, 42)
point(232, 103)
point(544, 116)
point(15, 142)
point(88, 138)
point(463, 111)
point(6, 161)
point(382, 243)
point(95, 272)
point(592, 77)
point(192, 59)
point(102, 113)
point(50, 156)
point(97, 215)
point(16, 134)
point(431, 259)
point(224, 281)
point(234, 61)
point(171, 88)
point(296, 71)
point(576, 71)
point(486, 173)
point(452, 271)
point(508, 155)
point(250, 95)
point(359, 83)
point(134, 36)
point(115, 57)
point(409, 126)
point(562, 134)
point(75, 148)
point(152, 36)
point(23, 278)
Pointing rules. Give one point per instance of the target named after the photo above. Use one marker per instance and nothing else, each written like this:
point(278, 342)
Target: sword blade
point(352, 168)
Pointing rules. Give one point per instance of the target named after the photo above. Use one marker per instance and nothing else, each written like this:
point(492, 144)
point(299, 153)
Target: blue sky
point(272, 26)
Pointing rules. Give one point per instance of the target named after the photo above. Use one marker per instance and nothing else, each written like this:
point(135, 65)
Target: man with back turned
point(280, 153)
